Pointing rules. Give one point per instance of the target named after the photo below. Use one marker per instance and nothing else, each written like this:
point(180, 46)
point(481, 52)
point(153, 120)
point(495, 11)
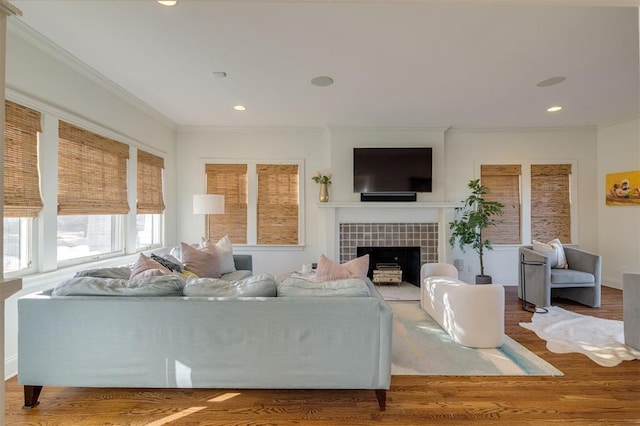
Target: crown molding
point(22, 30)
point(613, 122)
point(8, 9)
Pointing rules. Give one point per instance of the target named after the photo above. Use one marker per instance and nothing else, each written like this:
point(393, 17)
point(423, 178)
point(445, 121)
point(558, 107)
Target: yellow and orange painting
point(623, 189)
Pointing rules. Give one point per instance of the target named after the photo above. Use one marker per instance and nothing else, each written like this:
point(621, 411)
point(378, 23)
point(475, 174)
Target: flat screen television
point(392, 170)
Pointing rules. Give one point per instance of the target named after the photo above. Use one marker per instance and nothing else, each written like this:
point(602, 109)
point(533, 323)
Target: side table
point(528, 306)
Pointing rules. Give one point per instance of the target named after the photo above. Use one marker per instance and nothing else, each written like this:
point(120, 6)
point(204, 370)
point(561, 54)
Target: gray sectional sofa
point(296, 342)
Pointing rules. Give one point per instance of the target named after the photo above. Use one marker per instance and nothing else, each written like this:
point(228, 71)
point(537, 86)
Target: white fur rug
point(600, 339)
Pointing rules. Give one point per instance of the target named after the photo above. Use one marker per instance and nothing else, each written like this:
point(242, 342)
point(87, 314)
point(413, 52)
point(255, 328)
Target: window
point(504, 182)
point(277, 204)
point(22, 200)
point(551, 202)
point(92, 193)
point(262, 202)
point(150, 200)
point(229, 180)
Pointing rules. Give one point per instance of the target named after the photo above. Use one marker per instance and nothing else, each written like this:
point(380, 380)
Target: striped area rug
point(421, 347)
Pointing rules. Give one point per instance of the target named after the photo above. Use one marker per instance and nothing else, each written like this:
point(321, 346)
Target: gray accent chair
point(580, 283)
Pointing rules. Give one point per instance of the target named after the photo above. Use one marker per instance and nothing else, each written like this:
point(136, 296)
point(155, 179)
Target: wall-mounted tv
point(392, 170)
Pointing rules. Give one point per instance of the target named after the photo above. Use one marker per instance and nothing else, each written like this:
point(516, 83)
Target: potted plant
point(475, 215)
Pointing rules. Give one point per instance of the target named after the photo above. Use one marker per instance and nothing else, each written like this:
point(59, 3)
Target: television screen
point(392, 170)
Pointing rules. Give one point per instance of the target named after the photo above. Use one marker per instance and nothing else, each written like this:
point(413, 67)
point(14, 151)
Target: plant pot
point(483, 279)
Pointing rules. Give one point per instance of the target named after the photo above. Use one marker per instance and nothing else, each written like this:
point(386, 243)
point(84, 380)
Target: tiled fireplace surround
point(423, 235)
point(413, 224)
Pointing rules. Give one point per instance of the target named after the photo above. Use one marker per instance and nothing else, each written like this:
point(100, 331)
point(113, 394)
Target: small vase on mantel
point(324, 193)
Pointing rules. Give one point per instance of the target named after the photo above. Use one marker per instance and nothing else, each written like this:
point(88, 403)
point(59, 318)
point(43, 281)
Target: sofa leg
point(381, 396)
point(31, 395)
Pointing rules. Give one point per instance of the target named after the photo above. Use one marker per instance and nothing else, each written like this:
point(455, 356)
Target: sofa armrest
point(243, 262)
point(581, 260)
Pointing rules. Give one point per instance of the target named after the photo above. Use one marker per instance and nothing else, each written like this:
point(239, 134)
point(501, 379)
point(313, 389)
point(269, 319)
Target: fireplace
point(407, 258)
point(419, 235)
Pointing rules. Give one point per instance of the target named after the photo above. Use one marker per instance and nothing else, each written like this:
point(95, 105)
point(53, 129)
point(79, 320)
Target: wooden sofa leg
point(31, 395)
point(381, 396)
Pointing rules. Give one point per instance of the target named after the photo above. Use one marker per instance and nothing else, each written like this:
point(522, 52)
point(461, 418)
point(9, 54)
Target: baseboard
point(10, 367)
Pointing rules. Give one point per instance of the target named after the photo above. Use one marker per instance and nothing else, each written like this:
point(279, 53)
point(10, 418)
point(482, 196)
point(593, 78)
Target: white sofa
point(473, 315)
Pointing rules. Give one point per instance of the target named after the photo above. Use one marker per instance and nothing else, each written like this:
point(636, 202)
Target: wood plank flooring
point(587, 394)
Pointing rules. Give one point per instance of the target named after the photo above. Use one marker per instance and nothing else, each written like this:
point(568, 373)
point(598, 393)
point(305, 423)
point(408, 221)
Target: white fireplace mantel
point(387, 212)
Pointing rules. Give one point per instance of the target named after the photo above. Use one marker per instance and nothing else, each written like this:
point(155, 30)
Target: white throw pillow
point(547, 250)
point(554, 252)
point(224, 249)
point(562, 259)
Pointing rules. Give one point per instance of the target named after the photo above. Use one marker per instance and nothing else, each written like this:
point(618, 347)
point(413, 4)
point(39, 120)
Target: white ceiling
point(395, 63)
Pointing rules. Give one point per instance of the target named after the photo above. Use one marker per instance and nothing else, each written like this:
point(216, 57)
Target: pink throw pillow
point(203, 263)
point(147, 267)
point(330, 270)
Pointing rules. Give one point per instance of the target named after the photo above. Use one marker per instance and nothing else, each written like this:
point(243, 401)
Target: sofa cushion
point(262, 285)
point(167, 285)
point(224, 250)
point(570, 276)
point(202, 263)
point(121, 272)
point(329, 270)
point(350, 287)
point(240, 274)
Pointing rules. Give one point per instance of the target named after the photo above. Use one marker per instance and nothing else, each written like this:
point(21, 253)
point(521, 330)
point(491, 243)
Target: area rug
point(602, 340)
point(404, 291)
point(421, 347)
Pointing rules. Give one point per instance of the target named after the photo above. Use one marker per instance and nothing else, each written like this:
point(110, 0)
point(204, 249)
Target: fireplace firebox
point(408, 259)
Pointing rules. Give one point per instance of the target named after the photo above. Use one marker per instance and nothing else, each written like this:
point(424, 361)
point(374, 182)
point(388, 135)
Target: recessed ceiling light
point(554, 108)
point(551, 81)
point(322, 81)
point(168, 2)
point(240, 108)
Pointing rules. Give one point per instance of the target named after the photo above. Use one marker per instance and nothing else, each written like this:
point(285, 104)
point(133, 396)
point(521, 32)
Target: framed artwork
point(623, 189)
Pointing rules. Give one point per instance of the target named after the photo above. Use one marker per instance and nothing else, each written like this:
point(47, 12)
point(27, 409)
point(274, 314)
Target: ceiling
point(394, 63)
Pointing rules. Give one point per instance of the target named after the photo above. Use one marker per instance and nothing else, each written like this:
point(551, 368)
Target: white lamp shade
point(208, 204)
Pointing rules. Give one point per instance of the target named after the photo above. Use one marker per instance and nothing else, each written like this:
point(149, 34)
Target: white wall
point(37, 77)
point(618, 226)
point(466, 150)
point(457, 157)
point(199, 145)
point(344, 139)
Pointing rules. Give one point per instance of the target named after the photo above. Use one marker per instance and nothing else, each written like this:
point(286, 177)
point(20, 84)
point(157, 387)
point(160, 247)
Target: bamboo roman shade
point(92, 173)
point(20, 161)
point(150, 199)
point(550, 202)
point(277, 204)
point(504, 182)
point(229, 180)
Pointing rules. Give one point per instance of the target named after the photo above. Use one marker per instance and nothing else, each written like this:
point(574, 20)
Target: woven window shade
point(277, 204)
point(150, 199)
point(504, 183)
point(551, 216)
point(20, 161)
point(92, 173)
point(229, 180)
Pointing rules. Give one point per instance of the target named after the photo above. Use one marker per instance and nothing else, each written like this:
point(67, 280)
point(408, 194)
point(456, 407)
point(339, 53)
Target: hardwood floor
point(586, 394)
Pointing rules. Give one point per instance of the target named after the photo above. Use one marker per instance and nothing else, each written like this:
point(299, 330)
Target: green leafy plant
point(322, 178)
point(475, 215)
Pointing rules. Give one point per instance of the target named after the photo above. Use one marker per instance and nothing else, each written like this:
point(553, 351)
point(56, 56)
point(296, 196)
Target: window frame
point(252, 197)
point(525, 195)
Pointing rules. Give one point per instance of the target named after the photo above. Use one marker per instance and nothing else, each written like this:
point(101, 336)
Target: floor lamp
point(207, 204)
